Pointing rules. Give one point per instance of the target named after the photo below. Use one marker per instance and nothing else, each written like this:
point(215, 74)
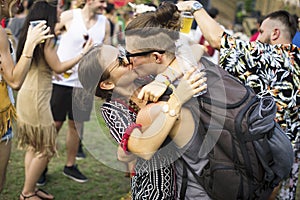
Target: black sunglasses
point(128, 55)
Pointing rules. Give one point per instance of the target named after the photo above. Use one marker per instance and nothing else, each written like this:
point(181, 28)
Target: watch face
point(197, 6)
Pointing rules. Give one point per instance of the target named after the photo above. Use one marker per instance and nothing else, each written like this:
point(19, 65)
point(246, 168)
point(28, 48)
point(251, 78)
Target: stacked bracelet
point(167, 77)
point(172, 74)
point(163, 79)
point(128, 131)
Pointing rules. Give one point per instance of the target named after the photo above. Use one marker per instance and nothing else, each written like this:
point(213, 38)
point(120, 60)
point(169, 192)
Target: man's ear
point(157, 57)
point(275, 34)
point(106, 85)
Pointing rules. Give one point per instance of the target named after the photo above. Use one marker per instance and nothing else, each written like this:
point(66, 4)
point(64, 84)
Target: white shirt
point(72, 41)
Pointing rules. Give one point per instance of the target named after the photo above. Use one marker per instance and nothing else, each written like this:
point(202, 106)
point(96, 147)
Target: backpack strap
point(184, 180)
point(186, 166)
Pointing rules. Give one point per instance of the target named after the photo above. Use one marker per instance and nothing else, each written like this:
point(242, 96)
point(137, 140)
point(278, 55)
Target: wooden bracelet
point(26, 56)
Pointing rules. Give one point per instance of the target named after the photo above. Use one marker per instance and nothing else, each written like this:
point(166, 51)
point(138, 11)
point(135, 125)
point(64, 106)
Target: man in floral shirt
point(271, 66)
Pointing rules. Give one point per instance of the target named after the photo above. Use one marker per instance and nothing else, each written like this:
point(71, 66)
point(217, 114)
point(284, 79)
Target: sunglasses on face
point(124, 55)
point(128, 55)
point(144, 53)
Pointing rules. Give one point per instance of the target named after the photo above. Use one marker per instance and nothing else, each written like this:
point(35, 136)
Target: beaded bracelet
point(172, 74)
point(162, 78)
point(128, 131)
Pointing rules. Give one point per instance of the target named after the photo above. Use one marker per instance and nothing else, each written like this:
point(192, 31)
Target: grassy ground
point(105, 173)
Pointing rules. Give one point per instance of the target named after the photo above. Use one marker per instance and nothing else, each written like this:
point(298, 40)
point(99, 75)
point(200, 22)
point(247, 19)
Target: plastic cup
point(186, 22)
point(36, 22)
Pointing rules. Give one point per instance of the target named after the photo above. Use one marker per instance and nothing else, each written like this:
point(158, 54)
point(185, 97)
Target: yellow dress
point(36, 127)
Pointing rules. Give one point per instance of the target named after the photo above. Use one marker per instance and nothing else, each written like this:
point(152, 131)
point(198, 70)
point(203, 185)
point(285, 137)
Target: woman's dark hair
point(29, 3)
point(40, 10)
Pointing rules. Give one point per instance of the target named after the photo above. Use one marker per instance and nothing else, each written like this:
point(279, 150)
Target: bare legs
point(72, 140)
point(5, 149)
point(34, 166)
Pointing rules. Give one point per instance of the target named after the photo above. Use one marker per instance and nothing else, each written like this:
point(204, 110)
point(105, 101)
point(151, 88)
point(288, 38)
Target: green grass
point(105, 173)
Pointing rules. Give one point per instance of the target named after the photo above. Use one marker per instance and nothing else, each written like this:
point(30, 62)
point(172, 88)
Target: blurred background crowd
point(241, 17)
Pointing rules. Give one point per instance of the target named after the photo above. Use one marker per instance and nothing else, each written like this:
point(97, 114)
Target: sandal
point(43, 194)
point(29, 196)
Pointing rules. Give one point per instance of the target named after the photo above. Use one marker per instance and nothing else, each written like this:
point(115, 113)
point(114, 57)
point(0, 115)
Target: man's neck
point(88, 16)
point(281, 41)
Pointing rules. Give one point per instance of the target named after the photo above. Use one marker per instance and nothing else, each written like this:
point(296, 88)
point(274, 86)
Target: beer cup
point(186, 22)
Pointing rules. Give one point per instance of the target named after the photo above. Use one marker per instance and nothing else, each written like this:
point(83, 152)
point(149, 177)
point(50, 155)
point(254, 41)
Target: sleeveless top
point(72, 41)
point(192, 155)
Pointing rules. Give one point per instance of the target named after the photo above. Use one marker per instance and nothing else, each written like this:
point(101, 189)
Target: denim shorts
point(7, 136)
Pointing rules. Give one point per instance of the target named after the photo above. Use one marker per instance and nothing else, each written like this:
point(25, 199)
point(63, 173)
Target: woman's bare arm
point(13, 74)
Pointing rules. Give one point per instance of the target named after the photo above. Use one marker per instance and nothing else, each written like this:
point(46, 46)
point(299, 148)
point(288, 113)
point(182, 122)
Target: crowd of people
point(149, 75)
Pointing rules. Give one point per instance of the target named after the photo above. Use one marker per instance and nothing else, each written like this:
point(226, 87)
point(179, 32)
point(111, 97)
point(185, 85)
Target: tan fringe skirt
point(40, 139)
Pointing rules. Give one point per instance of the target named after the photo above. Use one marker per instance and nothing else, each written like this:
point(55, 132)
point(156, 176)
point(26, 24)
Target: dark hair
point(286, 19)
point(20, 8)
point(213, 12)
point(110, 7)
point(29, 4)
point(40, 10)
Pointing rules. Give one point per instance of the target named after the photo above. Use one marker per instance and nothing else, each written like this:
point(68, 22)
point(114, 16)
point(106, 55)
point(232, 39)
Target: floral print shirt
point(268, 69)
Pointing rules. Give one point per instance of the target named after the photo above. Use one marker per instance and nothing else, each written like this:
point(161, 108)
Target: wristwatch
point(196, 6)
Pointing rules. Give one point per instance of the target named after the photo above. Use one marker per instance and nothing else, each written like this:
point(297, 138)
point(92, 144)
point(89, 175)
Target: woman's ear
point(106, 85)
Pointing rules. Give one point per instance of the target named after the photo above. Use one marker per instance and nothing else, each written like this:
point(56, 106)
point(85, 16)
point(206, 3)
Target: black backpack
point(250, 154)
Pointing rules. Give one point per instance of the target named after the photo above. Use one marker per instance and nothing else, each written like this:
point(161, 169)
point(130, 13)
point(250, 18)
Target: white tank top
point(71, 42)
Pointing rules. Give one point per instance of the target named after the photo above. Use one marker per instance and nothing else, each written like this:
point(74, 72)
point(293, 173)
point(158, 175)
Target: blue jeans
point(7, 136)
